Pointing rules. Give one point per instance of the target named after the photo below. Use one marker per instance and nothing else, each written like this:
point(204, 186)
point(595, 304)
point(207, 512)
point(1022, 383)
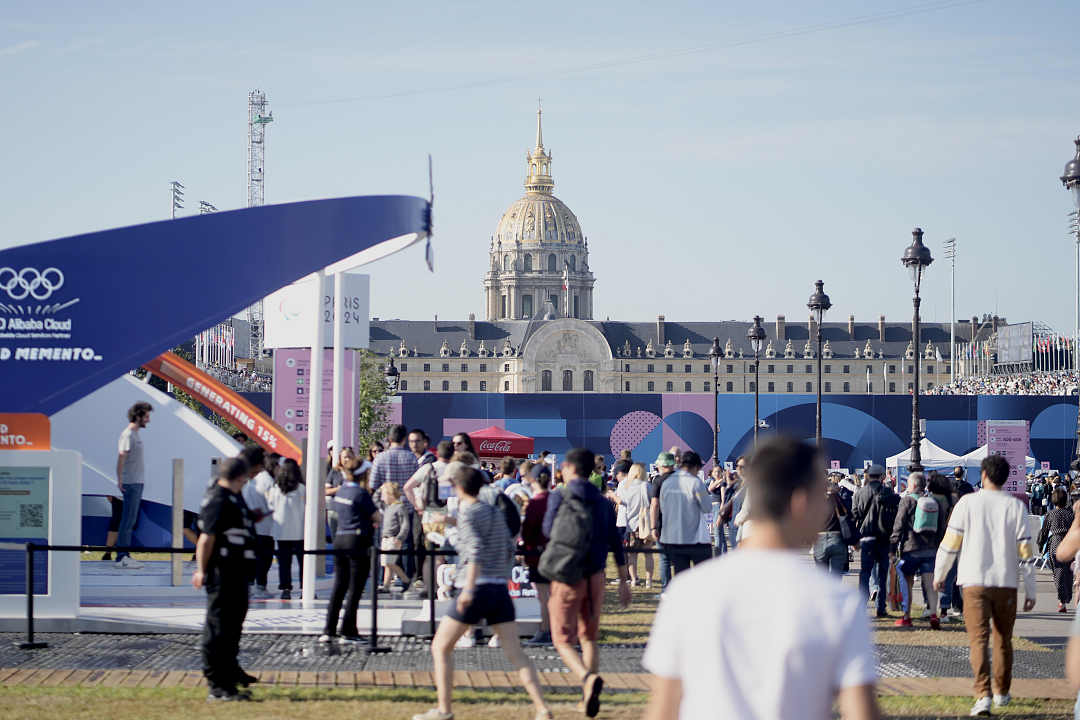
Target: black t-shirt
point(227, 518)
point(354, 510)
point(654, 493)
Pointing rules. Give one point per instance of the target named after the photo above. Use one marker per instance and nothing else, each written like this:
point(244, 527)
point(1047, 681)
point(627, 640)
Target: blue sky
point(712, 185)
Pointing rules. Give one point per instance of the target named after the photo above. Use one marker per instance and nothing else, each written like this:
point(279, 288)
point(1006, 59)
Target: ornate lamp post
point(1071, 180)
point(916, 259)
point(714, 358)
point(392, 376)
point(756, 336)
point(819, 304)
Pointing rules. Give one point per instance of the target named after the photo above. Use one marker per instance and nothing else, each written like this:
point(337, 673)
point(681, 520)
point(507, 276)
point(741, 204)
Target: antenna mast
point(258, 119)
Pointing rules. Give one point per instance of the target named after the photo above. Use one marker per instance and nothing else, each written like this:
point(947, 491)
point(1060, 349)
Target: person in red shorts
point(575, 609)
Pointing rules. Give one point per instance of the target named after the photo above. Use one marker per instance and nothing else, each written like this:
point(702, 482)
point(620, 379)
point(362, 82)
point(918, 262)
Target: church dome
point(538, 218)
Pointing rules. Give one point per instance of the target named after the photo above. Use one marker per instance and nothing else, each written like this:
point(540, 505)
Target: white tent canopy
point(974, 459)
point(932, 456)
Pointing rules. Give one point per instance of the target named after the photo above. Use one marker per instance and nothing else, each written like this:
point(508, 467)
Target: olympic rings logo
point(28, 281)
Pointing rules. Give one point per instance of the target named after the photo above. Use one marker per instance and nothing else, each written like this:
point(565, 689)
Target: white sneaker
point(349, 641)
point(954, 613)
point(324, 639)
point(467, 641)
point(1001, 701)
point(925, 615)
point(982, 707)
point(126, 563)
point(494, 642)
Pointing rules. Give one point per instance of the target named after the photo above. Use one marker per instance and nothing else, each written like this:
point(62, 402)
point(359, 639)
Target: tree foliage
point(374, 415)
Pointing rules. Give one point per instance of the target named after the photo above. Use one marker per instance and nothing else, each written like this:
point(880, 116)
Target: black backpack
point(431, 489)
point(498, 499)
point(881, 517)
point(563, 559)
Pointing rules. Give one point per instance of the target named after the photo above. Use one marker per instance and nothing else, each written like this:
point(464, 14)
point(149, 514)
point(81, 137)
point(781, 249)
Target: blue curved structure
point(78, 312)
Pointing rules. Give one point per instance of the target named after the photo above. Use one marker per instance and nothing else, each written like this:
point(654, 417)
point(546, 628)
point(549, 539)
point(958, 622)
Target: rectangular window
point(649, 369)
point(575, 305)
point(404, 367)
point(809, 369)
point(730, 368)
point(929, 369)
point(483, 367)
point(404, 385)
point(809, 387)
point(506, 386)
point(870, 368)
point(771, 369)
point(791, 387)
point(483, 386)
point(847, 368)
point(464, 367)
point(445, 385)
point(828, 387)
point(705, 368)
point(686, 387)
point(545, 381)
point(828, 369)
point(707, 388)
point(892, 387)
point(446, 367)
point(892, 368)
point(670, 386)
point(427, 385)
point(506, 367)
point(910, 369)
point(627, 386)
point(687, 369)
point(526, 306)
point(671, 368)
point(772, 387)
point(847, 387)
point(870, 387)
point(464, 386)
point(945, 371)
point(790, 369)
point(627, 367)
point(427, 367)
point(731, 386)
point(587, 381)
point(652, 386)
point(502, 307)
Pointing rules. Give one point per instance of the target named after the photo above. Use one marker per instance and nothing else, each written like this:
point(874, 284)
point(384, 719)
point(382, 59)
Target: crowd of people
point(242, 380)
point(562, 519)
point(1063, 382)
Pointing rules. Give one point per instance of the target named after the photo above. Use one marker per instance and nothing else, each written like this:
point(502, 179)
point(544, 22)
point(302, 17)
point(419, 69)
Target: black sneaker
point(286, 595)
point(244, 680)
point(107, 557)
point(226, 694)
point(540, 639)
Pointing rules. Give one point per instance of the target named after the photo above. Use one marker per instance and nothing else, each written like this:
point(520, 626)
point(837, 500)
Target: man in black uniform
point(223, 555)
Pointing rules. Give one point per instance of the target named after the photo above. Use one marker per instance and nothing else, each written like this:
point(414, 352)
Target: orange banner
point(25, 431)
point(225, 402)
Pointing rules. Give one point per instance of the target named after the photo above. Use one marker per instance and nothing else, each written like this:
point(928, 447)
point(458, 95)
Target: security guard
point(224, 554)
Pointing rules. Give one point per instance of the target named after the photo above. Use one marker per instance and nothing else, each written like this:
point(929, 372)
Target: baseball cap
point(875, 470)
point(665, 459)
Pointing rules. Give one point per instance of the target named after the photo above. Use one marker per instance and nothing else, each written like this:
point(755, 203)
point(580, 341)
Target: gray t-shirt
point(134, 472)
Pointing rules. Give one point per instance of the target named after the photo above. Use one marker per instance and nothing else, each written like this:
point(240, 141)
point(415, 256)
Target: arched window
point(587, 380)
point(445, 385)
point(847, 387)
point(772, 387)
point(543, 168)
point(752, 386)
point(627, 386)
point(892, 387)
point(551, 263)
point(791, 387)
point(506, 263)
point(567, 380)
point(528, 262)
point(534, 168)
point(427, 386)
point(828, 387)
point(573, 264)
point(464, 386)
point(404, 385)
point(707, 388)
point(686, 387)
point(483, 386)
point(545, 380)
point(652, 386)
point(670, 386)
point(809, 387)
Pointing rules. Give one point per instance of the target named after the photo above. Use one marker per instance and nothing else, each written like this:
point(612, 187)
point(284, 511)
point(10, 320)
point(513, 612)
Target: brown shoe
point(591, 689)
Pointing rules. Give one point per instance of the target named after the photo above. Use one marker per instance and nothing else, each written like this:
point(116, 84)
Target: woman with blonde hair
point(633, 494)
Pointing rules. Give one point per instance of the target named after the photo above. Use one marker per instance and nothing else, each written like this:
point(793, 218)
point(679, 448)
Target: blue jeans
point(874, 560)
point(132, 500)
point(665, 568)
point(830, 551)
point(719, 533)
point(945, 597)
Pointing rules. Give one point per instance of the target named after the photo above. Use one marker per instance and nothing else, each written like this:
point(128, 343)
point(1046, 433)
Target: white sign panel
point(289, 314)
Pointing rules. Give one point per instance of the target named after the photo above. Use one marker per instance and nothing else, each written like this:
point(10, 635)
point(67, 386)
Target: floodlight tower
point(258, 119)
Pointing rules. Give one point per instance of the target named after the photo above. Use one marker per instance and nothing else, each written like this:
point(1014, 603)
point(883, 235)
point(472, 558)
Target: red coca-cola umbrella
point(495, 442)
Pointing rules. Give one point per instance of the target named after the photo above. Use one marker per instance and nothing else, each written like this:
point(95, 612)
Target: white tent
point(932, 457)
point(974, 459)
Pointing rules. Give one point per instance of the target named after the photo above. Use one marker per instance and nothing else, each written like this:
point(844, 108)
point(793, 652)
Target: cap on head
point(665, 459)
point(875, 471)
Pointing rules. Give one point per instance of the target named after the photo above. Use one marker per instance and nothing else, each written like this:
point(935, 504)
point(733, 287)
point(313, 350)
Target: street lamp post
point(916, 259)
point(714, 358)
point(1071, 180)
point(756, 335)
point(819, 305)
point(392, 377)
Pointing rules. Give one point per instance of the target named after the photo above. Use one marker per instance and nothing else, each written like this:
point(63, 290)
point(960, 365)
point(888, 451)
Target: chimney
point(781, 331)
point(472, 326)
point(436, 323)
point(851, 327)
point(661, 337)
point(881, 328)
point(812, 326)
point(974, 328)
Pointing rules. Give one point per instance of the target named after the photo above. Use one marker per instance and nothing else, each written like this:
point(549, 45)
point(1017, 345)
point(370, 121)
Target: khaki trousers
point(986, 608)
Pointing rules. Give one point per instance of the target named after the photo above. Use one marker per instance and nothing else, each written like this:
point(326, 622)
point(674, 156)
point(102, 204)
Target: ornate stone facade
point(539, 258)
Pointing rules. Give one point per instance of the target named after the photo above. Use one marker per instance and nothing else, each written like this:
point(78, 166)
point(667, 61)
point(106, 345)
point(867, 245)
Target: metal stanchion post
point(432, 595)
point(373, 640)
point(29, 643)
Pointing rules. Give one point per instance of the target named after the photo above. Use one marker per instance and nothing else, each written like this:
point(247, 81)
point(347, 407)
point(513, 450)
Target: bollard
point(29, 643)
point(373, 640)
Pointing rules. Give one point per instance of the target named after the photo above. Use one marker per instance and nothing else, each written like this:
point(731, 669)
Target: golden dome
point(539, 218)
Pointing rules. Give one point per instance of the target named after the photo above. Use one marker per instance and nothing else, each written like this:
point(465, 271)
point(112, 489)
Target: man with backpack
point(917, 532)
point(580, 527)
point(424, 494)
point(874, 509)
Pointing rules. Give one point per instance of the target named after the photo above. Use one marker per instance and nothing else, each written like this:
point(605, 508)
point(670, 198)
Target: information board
point(1009, 438)
point(24, 517)
point(293, 387)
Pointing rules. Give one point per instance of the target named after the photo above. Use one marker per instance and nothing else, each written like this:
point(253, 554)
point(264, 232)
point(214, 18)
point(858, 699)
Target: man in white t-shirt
point(130, 476)
point(762, 633)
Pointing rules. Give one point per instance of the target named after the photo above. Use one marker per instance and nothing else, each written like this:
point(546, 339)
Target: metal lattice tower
point(258, 119)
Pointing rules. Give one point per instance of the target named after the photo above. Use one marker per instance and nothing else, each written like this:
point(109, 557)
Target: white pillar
point(313, 524)
point(339, 362)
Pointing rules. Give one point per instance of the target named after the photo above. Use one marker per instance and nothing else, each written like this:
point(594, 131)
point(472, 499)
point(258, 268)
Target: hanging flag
point(937, 353)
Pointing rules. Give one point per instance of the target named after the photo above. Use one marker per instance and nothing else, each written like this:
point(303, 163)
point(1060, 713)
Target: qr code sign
point(32, 516)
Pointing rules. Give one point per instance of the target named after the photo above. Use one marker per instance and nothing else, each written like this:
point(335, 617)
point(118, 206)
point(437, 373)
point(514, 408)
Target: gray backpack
point(564, 555)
